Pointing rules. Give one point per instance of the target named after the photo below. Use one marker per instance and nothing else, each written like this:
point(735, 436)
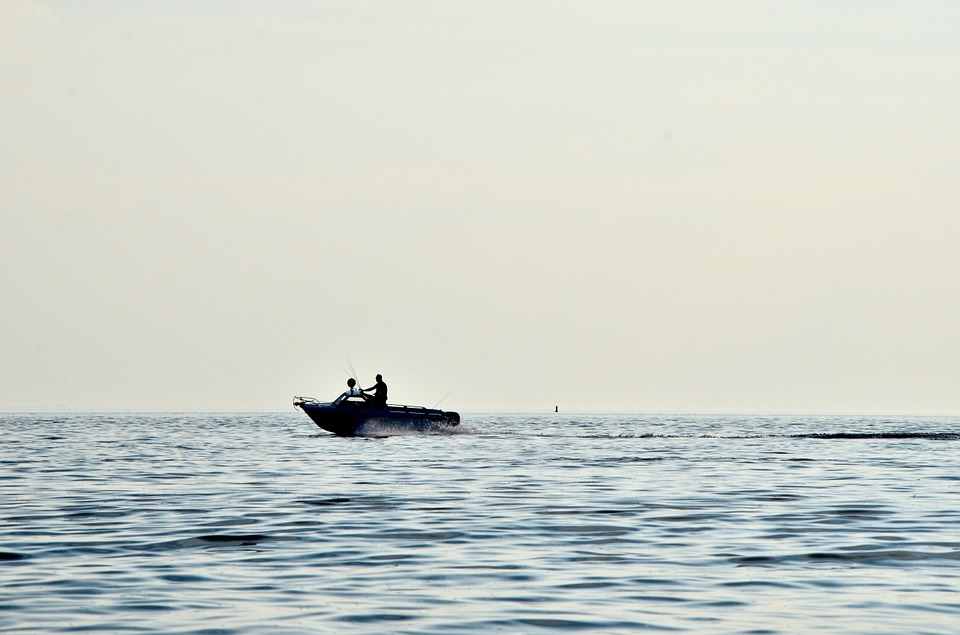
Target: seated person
point(379, 397)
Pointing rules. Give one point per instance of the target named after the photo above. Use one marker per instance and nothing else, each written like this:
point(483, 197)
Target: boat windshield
point(350, 399)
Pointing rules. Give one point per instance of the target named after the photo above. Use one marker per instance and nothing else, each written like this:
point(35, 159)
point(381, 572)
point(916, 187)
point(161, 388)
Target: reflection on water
point(517, 523)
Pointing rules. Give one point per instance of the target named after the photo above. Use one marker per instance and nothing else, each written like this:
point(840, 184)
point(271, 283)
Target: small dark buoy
point(556, 408)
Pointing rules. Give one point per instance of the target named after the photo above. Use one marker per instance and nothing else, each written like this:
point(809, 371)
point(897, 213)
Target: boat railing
point(412, 409)
point(300, 401)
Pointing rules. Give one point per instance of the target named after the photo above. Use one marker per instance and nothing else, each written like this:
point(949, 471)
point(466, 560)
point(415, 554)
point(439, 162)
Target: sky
point(696, 206)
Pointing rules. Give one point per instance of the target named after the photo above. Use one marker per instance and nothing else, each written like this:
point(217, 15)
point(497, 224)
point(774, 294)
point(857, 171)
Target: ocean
point(239, 524)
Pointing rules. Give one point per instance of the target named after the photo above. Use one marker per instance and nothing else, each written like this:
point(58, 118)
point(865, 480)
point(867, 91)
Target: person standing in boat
point(379, 398)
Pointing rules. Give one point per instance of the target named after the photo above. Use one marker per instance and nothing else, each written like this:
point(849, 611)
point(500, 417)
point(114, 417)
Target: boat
point(358, 417)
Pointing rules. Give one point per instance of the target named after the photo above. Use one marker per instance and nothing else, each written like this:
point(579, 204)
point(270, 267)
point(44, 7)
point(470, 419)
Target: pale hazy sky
point(608, 205)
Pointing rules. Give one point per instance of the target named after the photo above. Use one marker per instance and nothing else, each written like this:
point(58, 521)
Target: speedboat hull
point(353, 419)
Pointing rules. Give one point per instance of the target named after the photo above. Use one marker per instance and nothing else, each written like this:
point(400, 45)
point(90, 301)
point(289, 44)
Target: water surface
point(520, 523)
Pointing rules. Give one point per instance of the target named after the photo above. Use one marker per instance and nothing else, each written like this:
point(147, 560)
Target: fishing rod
point(352, 370)
point(441, 400)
